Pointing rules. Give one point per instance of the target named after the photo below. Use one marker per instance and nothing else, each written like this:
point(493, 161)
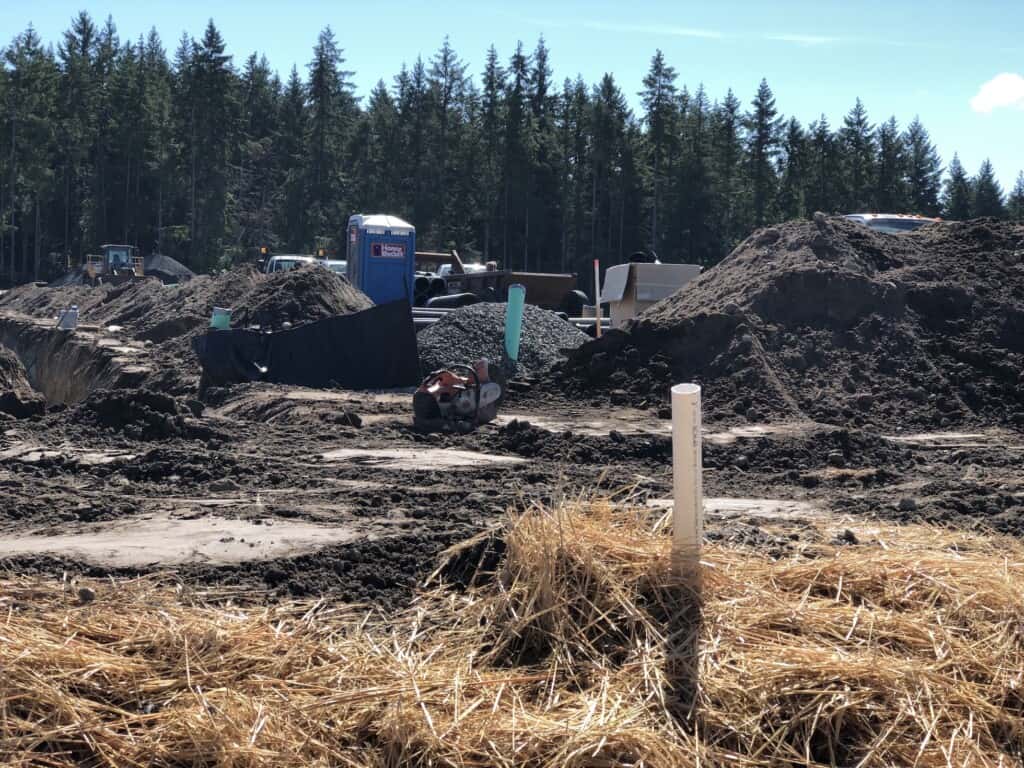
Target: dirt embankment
point(167, 317)
point(17, 397)
point(832, 321)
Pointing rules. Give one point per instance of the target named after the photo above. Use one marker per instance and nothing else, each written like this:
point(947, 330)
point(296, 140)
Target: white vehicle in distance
point(891, 223)
point(338, 266)
point(446, 269)
point(286, 262)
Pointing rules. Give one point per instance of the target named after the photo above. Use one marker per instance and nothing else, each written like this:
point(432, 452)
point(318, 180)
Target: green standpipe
point(514, 321)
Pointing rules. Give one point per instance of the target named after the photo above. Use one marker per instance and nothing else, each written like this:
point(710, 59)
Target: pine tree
point(76, 127)
point(987, 194)
point(577, 169)
point(856, 139)
point(793, 172)
point(545, 197)
point(519, 150)
point(727, 171)
point(659, 100)
point(609, 121)
point(31, 105)
point(956, 197)
point(290, 151)
point(446, 80)
point(890, 172)
point(825, 172)
point(923, 171)
point(1015, 203)
point(762, 147)
point(491, 119)
point(331, 117)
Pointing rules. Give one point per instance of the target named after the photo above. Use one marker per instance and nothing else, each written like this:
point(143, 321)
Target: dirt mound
point(829, 320)
point(299, 295)
point(169, 316)
point(138, 413)
point(470, 333)
point(17, 398)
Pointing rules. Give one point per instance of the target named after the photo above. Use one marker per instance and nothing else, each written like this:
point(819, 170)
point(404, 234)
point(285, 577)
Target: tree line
point(191, 155)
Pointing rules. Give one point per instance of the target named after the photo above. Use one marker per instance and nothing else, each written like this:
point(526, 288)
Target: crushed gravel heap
point(469, 333)
point(832, 321)
point(17, 397)
point(169, 316)
point(299, 295)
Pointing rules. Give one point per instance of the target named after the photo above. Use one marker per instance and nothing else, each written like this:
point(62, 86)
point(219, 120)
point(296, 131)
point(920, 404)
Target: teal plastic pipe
point(514, 320)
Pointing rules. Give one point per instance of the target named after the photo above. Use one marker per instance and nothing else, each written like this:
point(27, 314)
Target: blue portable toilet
point(382, 256)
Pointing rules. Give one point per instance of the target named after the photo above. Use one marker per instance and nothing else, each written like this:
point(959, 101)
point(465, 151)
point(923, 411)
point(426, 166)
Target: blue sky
point(958, 65)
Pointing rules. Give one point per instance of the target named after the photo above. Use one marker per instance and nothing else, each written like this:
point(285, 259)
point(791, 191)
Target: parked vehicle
point(338, 266)
point(286, 262)
point(891, 223)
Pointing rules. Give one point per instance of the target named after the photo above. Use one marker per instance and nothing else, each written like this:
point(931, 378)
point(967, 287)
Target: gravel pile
point(469, 333)
point(831, 321)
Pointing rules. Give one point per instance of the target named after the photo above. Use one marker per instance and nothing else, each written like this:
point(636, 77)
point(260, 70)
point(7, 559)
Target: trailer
point(544, 289)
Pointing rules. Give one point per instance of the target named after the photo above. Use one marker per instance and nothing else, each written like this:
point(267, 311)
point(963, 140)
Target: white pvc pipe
point(597, 296)
point(687, 484)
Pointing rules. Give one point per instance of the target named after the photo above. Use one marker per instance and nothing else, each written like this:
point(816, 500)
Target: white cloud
point(1004, 90)
point(654, 29)
point(803, 39)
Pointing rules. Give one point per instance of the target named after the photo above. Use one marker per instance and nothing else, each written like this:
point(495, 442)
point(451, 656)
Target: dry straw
point(581, 649)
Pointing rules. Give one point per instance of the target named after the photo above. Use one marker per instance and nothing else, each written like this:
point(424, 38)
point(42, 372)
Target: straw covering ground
point(905, 647)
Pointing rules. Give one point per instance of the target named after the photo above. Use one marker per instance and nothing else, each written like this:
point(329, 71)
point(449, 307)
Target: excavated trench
point(66, 366)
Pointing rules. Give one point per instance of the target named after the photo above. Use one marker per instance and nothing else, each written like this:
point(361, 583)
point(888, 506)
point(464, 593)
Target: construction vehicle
point(115, 264)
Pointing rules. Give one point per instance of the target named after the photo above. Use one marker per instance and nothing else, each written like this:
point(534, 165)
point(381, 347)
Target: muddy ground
point(846, 374)
point(288, 491)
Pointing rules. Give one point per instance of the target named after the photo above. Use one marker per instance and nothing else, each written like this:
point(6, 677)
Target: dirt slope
point(829, 320)
point(169, 316)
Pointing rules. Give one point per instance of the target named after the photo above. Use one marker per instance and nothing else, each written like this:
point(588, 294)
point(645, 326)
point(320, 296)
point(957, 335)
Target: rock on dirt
point(467, 334)
point(831, 321)
point(17, 398)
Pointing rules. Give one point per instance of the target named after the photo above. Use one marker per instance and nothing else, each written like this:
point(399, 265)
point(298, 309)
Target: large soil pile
point(469, 333)
point(299, 295)
point(169, 316)
point(832, 321)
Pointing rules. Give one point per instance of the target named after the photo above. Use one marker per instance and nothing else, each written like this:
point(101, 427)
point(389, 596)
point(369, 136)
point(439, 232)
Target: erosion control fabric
point(372, 349)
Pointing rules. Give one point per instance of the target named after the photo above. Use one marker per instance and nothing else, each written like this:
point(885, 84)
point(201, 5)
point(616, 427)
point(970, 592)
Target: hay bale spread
point(889, 646)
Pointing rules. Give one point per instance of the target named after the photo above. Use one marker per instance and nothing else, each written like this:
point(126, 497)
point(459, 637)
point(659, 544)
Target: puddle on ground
point(959, 440)
point(728, 506)
point(418, 458)
point(635, 422)
point(166, 540)
point(28, 453)
point(626, 421)
point(750, 431)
